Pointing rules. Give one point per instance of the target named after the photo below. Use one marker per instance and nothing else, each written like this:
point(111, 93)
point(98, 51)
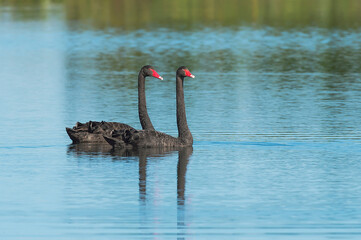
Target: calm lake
point(275, 112)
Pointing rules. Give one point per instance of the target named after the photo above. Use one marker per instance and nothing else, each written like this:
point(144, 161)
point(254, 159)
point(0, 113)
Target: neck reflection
point(183, 159)
point(142, 176)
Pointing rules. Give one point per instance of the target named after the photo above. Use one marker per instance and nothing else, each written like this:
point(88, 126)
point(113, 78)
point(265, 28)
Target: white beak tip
point(192, 76)
point(160, 78)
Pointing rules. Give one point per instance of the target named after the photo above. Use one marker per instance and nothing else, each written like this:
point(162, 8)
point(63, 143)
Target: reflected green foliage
point(192, 14)
point(207, 35)
point(28, 10)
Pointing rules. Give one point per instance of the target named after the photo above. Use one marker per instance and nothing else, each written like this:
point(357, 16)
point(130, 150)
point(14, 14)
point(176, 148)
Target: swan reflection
point(143, 154)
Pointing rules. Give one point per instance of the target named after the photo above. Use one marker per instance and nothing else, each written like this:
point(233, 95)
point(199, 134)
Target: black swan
point(131, 138)
point(92, 132)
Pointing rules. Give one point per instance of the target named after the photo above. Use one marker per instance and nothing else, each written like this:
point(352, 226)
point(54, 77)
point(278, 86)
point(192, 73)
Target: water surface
point(275, 111)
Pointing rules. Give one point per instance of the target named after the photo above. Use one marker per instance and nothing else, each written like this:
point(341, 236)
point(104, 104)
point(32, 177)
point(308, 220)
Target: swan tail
point(74, 136)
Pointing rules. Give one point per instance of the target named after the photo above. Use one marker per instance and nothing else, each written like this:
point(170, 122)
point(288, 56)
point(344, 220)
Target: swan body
point(143, 139)
point(93, 132)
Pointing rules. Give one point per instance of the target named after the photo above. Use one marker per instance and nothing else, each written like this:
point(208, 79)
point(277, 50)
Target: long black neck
point(142, 104)
point(184, 134)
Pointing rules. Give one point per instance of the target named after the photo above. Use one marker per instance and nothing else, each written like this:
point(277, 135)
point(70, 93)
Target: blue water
point(275, 115)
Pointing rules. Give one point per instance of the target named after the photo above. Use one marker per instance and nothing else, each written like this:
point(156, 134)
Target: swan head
point(184, 72)
point(149, 71)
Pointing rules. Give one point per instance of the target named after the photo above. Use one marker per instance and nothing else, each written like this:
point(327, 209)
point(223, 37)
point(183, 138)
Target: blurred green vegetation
point(190, 14)
point(134, 14)
point(200, 51)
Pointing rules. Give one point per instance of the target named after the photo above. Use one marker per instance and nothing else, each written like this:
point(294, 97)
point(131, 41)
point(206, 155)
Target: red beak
point(188, 73)
point(156, 75)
